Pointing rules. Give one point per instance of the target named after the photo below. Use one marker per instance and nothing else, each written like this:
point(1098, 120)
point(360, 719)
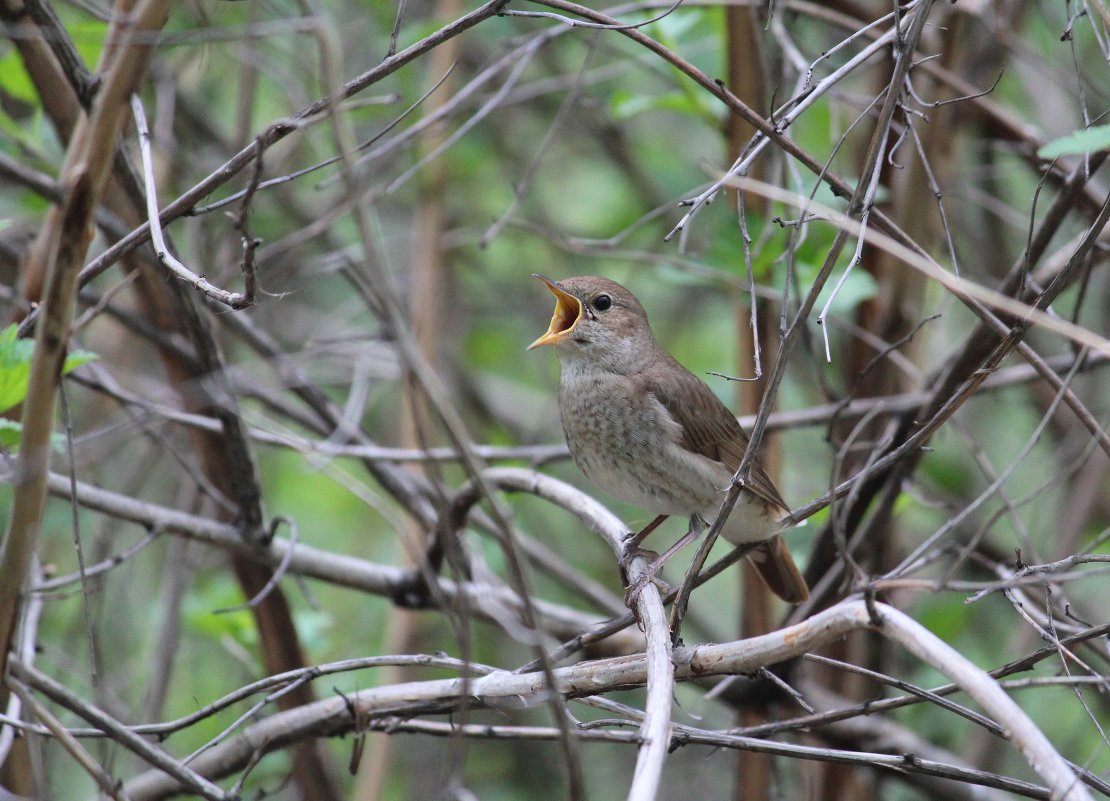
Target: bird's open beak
point(568, 309)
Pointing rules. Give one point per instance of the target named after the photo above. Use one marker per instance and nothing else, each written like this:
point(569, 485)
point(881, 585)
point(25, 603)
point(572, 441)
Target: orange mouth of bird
point(568, 310)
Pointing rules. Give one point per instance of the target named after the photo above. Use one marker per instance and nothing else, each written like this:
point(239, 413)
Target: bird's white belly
point(749, 521)
point(636, 485)
point(629, 447)
point(701, 490)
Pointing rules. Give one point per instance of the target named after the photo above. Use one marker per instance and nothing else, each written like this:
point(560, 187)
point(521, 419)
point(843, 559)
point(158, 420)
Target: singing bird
point(649, 432)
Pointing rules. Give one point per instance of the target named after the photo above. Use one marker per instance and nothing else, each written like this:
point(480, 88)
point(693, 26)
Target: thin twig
point(235, 300)
point(75, 520)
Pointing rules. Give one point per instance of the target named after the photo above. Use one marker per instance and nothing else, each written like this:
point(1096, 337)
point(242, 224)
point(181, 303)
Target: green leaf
point(89, 37)
point(14, 369)
point(14, 78)
point(220, 593)
point(677, 25)
point(10, 432)
point(15, 365)
point(1089, 140)
point(76, 359)
point(859, 286)
point(903, 503)
point(625, 104)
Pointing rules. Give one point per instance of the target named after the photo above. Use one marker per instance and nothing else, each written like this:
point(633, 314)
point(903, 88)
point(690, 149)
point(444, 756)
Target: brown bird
point(649, 432)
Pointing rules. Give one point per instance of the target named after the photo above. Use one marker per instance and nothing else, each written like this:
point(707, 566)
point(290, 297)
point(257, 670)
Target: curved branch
point(655, 728)
point(58, 251)
point(338, 716)
point(484, 600)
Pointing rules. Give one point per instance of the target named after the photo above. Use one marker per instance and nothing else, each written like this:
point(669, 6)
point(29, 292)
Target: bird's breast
point(626, 442)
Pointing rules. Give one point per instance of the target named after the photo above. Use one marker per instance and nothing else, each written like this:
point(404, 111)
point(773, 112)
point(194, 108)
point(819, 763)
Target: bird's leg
point(636, 587)
point(632, 547)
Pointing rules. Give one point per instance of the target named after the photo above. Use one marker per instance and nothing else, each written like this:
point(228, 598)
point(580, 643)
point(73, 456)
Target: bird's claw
point(632, 592)
point(629, 552)
point(633, 587)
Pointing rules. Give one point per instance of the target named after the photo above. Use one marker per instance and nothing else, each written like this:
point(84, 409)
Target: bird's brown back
point(709, 429)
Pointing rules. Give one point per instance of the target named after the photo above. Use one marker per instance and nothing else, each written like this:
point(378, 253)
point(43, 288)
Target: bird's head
point(598, 320)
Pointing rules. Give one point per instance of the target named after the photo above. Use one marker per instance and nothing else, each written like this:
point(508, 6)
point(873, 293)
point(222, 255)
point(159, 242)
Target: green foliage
point(218, 593)
point(625, 104)
point(859, 285)
point(1089, 140)
point(88, 37)
point(597, 198)
point(677, 26)
point(15, 372)
point(16, 85)
point(14, 79)
point(679, 31)
point(687, 31)
point(10, 431)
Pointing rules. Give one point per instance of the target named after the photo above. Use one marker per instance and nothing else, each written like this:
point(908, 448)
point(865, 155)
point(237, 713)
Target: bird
point(652, 434)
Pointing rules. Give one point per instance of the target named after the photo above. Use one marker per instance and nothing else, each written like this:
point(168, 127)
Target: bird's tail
point(777, 569)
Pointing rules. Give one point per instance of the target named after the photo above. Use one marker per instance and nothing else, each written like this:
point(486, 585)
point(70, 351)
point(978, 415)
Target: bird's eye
point(603, 303)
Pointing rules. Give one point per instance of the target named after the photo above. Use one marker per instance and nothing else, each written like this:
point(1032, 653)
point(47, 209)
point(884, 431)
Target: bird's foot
point(648, 576)
point(629, 552)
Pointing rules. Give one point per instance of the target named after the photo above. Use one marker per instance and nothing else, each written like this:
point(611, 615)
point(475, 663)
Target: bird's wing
point(708, 427)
